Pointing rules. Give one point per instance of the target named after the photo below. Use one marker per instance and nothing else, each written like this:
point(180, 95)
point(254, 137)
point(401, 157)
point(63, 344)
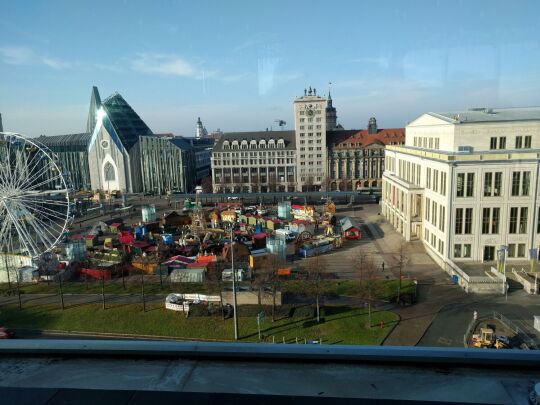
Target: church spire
point(95, 105)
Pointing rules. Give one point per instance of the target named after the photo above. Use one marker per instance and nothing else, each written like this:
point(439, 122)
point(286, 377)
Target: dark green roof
point(73, 141)
point(127, 124)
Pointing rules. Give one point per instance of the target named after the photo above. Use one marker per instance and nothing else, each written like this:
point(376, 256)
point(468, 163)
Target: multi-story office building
point(466, 183)
point(120, 152)
point(310, 128)
point(356, 157)
point(254, 162)
point(318, 154)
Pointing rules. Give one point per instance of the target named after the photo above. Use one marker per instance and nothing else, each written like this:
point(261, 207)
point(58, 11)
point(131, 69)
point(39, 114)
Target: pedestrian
point(475, 315)
point(382, 266)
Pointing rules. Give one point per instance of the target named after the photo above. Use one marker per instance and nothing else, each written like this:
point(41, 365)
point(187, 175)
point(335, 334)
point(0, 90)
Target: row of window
point(253, 154)
point(310, 141)
point(435, 214)
point(409, 171)
point(317, 112)
point(435, 182)
point(310, 134)
point(303, 127)
point(310, 119)
point(521, 142)
point(262, 144)
point(426, 142)
point(435, 242)
point(235, 162)
point(490, 220)
point(521, 183)
point(302, 148)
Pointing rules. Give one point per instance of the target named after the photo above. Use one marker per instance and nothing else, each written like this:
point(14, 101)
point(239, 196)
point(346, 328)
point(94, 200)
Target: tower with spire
point(331, 114)
point(201, 130)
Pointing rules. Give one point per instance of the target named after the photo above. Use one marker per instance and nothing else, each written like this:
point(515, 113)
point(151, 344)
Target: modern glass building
point(119, 152)
point(72, 153)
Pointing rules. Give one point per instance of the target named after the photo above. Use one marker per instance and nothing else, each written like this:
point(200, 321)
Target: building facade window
point(465, 185)
point(109, 172)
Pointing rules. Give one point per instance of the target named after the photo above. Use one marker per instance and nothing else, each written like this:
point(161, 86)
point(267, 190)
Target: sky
point(240, 64)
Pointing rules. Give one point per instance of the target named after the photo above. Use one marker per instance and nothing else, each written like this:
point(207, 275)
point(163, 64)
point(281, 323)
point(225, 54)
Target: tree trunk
point(274, 305)
point(318, 311)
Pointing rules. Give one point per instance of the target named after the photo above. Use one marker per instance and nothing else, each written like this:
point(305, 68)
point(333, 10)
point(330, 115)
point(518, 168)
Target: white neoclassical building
point(467, 184)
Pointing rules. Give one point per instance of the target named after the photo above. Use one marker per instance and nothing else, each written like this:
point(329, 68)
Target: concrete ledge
point(256, 351)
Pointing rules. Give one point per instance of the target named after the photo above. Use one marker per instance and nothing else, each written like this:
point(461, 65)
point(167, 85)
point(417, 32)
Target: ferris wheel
point(34, 197)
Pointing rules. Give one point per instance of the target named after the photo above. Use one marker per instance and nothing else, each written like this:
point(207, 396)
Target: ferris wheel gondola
point(34, 197)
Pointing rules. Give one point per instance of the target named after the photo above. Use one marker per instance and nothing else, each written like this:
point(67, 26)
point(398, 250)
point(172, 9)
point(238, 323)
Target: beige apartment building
point(466, 183)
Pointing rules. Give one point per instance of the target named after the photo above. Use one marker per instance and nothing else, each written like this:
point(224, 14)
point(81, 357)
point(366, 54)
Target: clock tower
point(310, 132)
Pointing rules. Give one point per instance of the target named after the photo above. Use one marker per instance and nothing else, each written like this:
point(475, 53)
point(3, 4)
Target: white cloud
point(56, 63)
point(164, 64)
point(16, 55)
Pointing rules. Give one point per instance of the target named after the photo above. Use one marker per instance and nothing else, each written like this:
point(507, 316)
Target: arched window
point(108, 170)
point(253, 144)
point(262, 144)
point(234, 145)
point(244, 145)
point(226, 145)
point(280, 143)
point(271, 143)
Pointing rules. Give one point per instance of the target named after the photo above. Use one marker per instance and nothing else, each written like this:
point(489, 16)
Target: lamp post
point(7, 270)
point(235, 317)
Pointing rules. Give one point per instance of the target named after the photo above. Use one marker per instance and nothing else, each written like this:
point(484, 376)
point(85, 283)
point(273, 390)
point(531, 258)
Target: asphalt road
point(450, 324)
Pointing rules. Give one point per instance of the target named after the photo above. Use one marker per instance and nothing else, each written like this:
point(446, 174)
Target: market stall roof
point(90, 236)
point(78, 236)
point(179, 258)
point(206, 259)
point(116, 224)
point(347, 225)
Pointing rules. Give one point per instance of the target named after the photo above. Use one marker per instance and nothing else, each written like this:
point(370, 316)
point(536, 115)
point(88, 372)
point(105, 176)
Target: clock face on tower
point(309, 110)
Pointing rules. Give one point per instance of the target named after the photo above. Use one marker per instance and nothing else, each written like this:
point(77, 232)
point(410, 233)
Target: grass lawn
point(342, 325)
point(385, 289)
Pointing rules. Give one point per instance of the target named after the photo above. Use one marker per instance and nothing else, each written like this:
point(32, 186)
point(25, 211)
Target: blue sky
point(239, 64)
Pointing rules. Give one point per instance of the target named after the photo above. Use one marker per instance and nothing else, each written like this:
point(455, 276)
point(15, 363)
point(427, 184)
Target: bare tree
point(369, 285)
point(272, 182)
point(309, 183)
point(327, 182)
point(255, 183)
point(401, 263)
point(314, 268)
point(269, 277)
point(206, 184)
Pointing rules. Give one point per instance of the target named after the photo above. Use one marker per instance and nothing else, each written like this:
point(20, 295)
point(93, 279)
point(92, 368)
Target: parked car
point(5, 333)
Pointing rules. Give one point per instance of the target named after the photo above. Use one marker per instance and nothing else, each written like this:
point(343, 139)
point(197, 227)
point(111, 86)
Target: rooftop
point(490, 115)
point(127, 123)
point(287, 136)
point(71, 140)
point(383, 136)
